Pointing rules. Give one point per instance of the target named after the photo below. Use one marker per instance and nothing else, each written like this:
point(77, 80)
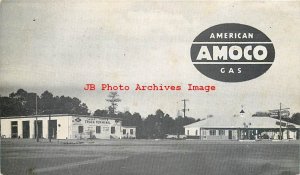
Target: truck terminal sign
point(91, 121)
point(232, 52)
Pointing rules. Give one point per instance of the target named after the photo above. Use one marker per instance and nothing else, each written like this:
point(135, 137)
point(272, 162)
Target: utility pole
point(36, 121)
point(49, 128)
point(184, 107)
point(280, 116)
point(279, 113)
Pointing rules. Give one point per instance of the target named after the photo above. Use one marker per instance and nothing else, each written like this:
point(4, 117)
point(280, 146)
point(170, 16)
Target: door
point(52, 126)
point(14, 129)
point(230, 134)
point(26, 129)
point(38, 128)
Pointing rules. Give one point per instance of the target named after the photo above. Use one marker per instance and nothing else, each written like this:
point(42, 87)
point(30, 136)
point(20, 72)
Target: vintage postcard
point(149, 87)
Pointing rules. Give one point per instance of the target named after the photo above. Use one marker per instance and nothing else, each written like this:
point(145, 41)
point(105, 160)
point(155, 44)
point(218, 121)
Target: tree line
point(22, 103)
point(155, 125)
point(295, 118)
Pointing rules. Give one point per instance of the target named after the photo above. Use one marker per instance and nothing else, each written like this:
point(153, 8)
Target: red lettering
point(90, 87)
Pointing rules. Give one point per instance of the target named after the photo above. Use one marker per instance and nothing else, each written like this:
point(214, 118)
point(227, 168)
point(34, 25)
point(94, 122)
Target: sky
point(60, 46)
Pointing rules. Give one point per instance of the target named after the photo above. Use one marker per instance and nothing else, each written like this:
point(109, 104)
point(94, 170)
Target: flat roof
point(60, 115)
point(128, 126)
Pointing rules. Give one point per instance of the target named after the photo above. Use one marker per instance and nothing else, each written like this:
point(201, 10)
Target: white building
point(240, 128)
point(128, 132)
point(58, 126)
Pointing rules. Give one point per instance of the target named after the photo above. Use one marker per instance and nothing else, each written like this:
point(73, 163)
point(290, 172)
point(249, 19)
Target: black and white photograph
point(149, 87)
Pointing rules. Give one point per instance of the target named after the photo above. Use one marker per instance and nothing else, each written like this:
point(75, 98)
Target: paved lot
point(135, 157)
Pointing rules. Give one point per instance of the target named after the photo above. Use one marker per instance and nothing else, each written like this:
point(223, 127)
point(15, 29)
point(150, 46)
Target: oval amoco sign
point(232, 52)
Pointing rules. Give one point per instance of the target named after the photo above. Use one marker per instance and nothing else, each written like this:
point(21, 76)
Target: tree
point(21, 95)
point(134, 119)
point(47, 103)
point(101, 113)
point(30, 103)
point(295, 118)
point(158, 125)
point(261, 114)
point(73, 106)
point(10, 107)
point(83, 109)
point(24, 103)
point(182, 121)
point(152, 126)
point(26, 100)
point(159, 113)
point(113, 99)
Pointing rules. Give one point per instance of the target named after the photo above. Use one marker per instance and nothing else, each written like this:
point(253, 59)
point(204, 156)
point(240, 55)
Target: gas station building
point(61, 126)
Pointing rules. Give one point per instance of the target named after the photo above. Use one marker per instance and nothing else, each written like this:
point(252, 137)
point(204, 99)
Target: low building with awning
point(241, 127)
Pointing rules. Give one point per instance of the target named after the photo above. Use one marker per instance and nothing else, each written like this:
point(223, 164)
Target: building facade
point(65, 127)
point(241, 128)
point(129, 132)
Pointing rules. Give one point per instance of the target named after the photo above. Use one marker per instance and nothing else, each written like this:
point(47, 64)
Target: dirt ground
point(149, 157)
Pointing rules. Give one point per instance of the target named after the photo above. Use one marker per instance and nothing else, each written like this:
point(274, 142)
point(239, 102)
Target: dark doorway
point(245, 134)
point(230, 134)
point(14, 129)
point(52, 126)
point(26, 129)
point(40, 128)
point(113, 129)
point(251, 135)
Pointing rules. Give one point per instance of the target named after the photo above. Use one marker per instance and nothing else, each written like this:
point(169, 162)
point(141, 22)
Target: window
point(105, 129)
point(196, 132)
point(80, 129)
point(113, 130)
point(131, 131)
point(188, 132)
point(98, 129)
point(221, 132)
point(212, 132)
point(124, 131)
